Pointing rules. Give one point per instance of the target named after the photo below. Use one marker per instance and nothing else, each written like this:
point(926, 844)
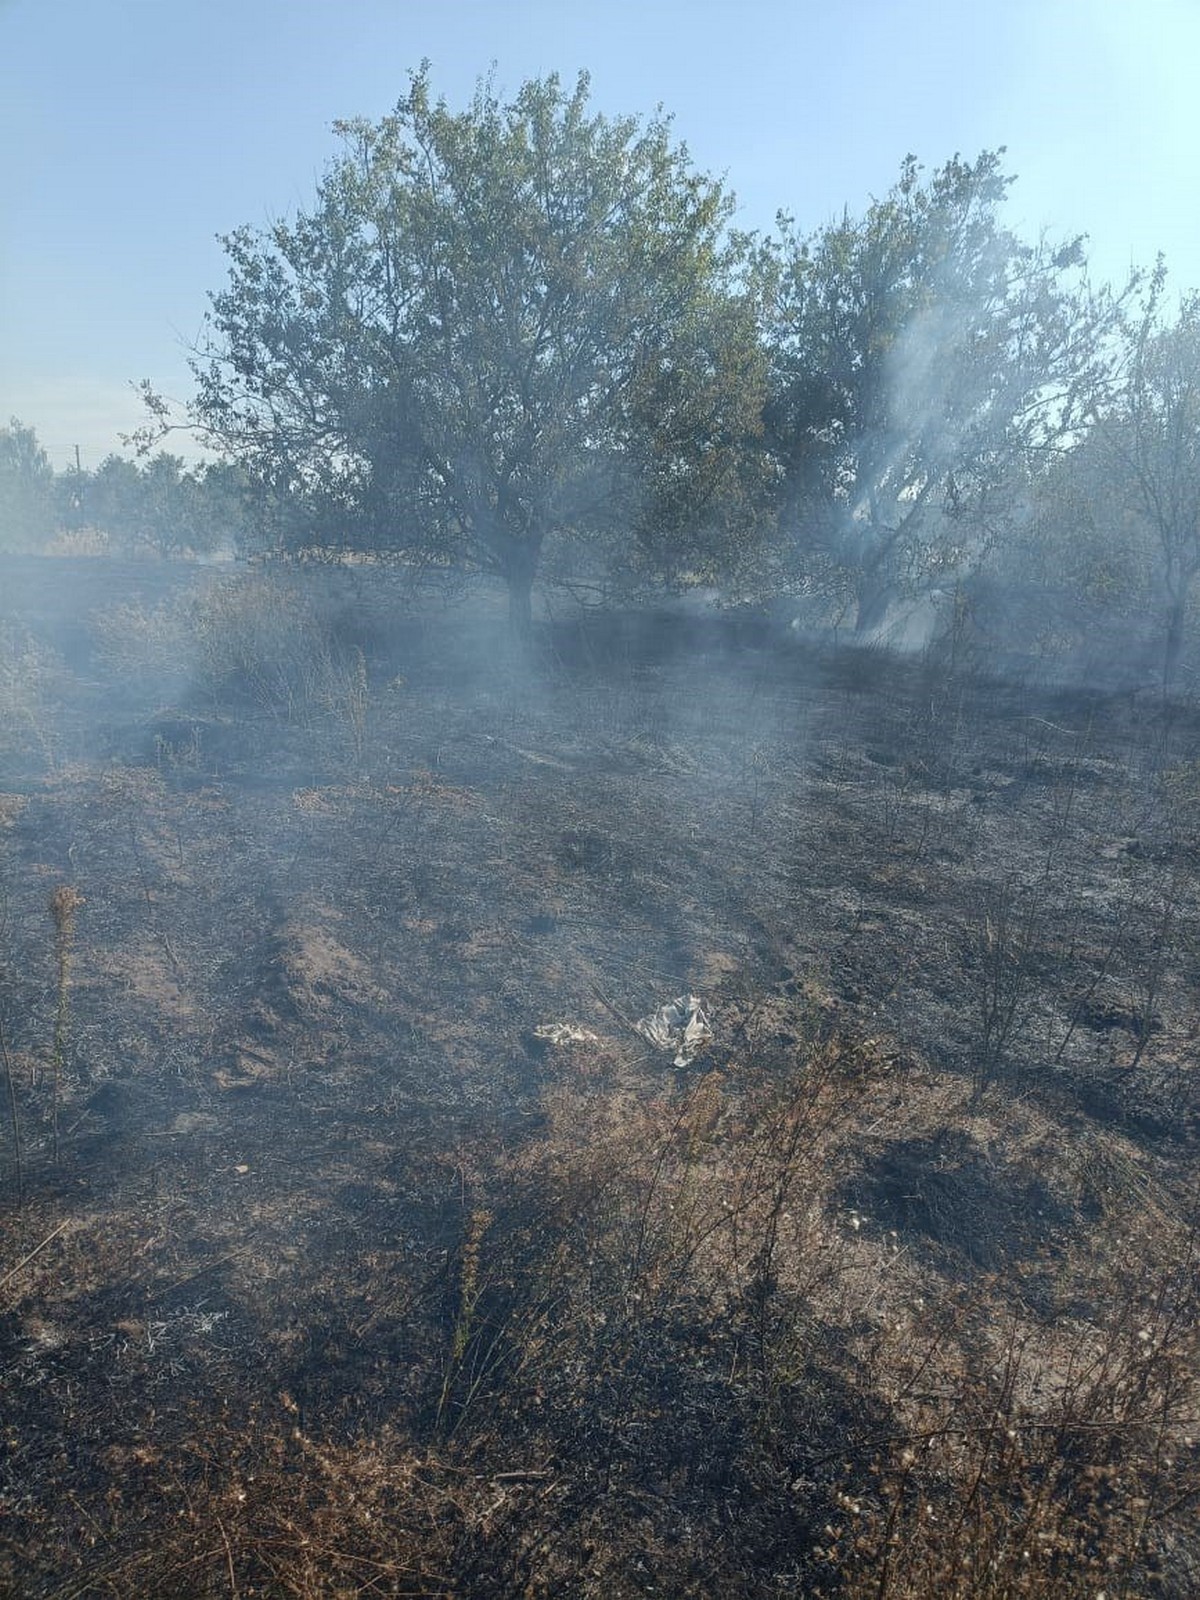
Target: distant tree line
point(157, 505)
point(525, 339)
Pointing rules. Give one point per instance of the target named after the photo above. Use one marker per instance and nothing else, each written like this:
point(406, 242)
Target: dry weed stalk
point(1004, 939)
point(357, 699)
point(64, 904)
point(470, 1288)
point(14, 1116)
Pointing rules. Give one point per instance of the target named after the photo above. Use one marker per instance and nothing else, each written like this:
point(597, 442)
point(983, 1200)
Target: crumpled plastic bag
point(564, 1033)
point(681, 1025)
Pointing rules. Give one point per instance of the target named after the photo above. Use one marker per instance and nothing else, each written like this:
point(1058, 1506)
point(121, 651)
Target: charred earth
point(354, 1240)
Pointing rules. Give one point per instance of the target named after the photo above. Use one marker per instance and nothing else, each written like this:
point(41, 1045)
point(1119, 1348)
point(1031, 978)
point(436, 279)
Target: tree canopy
point(500, 333)
point(918, 353)
point(1149, 434)
point(27, 512)
point(524, 339)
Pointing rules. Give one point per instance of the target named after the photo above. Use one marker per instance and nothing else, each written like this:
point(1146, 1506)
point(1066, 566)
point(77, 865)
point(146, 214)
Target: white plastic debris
point(564, 1033)
point(681, 1025)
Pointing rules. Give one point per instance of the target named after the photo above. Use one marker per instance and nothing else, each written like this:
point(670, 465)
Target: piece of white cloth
point(564, 1033)
point(681, 1025)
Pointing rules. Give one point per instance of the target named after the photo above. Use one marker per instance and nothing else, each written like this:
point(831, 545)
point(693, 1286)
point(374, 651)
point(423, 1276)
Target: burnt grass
point(322, 1274)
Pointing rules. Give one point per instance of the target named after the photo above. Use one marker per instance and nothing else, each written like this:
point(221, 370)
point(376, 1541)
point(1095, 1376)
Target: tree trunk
point(875, 587)
point(871, 607)
point(520, 605)
point(521, 557)
point(1176, 616)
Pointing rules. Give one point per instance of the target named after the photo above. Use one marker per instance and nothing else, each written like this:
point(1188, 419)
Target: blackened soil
point(285, 1052)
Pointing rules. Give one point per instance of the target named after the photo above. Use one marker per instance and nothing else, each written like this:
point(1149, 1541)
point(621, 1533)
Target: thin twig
point(84, 1512)
point(608, 1006)
point(37, 1249)
point(200, 1271)
point(233, 1588)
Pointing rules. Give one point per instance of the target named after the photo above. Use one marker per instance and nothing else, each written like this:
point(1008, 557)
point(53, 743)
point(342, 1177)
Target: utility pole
point(77, 496)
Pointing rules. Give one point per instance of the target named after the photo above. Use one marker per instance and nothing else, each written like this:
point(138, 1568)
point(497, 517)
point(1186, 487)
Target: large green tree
point(27, 510)
point(921, 352)
point(499, 332)
point(1150, 434)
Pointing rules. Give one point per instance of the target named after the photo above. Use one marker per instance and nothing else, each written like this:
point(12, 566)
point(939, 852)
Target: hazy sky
point(135, 131)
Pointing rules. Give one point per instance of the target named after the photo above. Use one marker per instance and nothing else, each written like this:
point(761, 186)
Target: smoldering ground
point(343, 1277)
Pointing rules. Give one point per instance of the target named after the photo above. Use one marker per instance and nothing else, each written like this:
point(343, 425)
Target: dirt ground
point(322, 1273)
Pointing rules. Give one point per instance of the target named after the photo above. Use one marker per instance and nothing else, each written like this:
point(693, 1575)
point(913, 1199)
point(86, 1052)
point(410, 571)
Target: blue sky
point(135, 131)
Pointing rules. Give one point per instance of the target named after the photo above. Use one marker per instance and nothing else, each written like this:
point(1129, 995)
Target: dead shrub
point(1033, 1467)
point(643, 1298)
point(32, 677)
point(255, 640)
point(663, 1305)
point(146, 644)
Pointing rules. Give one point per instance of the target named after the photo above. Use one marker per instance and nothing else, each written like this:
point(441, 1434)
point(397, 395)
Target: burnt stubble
point(323, 1274)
